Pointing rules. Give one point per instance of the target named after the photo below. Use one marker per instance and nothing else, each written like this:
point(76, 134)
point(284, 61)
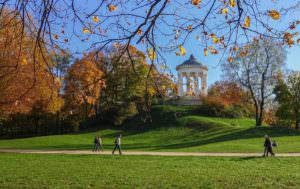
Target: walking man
point(100, 143)
point(96, 144)
point(118, 144)
point(268, 147)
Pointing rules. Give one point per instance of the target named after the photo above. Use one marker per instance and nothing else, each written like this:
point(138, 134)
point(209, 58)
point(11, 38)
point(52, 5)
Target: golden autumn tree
point(227, 93)
point(25, 77)
point(83, 85)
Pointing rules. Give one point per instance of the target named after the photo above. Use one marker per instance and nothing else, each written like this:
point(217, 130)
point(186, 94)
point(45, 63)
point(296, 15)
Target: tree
point(288, 97)
point(130, 82)
point(229, 93)
point(256, 67)
point(83, 85)
point(25, 78)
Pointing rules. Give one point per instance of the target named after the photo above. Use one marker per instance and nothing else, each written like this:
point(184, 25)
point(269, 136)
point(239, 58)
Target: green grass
point(91, 171)
point(185, 132)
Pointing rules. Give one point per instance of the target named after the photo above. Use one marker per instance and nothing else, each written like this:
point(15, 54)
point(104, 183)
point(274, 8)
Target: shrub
point(212, 106)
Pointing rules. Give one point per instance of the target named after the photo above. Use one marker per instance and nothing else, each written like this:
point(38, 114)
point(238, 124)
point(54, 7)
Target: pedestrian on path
point(268, 147)
point(96, 144)
point(118, 144)
point(100, 143)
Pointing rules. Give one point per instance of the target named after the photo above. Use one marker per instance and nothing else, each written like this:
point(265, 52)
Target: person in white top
point(118, 144)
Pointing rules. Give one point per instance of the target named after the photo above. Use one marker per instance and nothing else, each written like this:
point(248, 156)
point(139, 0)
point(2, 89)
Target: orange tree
point(25, 78)
point(83, 84)
point(227, 99)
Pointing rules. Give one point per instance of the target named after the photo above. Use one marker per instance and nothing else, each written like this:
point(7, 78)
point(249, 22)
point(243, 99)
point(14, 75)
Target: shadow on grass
point(255, 132)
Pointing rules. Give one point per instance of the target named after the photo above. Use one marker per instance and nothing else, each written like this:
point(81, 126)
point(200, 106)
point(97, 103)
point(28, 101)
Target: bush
point(118, 113)
point(216, 108)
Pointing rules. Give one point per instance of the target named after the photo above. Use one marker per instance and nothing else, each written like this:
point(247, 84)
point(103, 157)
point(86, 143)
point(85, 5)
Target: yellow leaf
point(247, 22)
point(163, 67)
point(112, 8)
point(62, 53)
point(151, 54)
point(214, 38)
point(205, 52)
point(139, 32)
point(190, 27)
point(274, 14)
point(182, 50)
point(55, 36)
point(195, 2)
point(95, 19)
point(232, 3)
point(230, 59)
point(243, 53)
point(213, 50)
point(24, 61)
point(224, 11)
point(86, 30)
point(235, 48)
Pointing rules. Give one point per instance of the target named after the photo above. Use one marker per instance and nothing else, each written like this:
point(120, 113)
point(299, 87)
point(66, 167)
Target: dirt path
point(146, 153)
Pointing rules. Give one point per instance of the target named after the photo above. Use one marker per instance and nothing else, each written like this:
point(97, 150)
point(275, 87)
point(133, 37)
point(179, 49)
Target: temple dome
point(191, 63)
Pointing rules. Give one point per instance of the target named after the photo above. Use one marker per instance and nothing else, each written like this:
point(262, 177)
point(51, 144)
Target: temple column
point(196, 84)
point(180, 84)
point(188, 82)
point(204, 84)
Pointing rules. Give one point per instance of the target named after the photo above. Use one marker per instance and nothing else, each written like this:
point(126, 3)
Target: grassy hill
point(173, 129)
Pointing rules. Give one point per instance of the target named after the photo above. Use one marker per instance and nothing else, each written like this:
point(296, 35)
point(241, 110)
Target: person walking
point(118, 144)
point(96, 144)
point(268, 147)
point(100, 143)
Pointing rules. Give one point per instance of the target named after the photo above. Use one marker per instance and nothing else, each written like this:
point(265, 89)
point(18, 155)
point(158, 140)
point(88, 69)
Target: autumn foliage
point(227, 99)
point(25, 77)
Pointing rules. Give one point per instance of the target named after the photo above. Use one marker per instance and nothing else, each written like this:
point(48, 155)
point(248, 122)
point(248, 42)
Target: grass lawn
point(173, 129)
point(92, 171)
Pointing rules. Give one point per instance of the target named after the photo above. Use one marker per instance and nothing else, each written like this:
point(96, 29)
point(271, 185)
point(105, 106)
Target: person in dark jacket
point(96, 144)
point(118, 144)
point(268, 146)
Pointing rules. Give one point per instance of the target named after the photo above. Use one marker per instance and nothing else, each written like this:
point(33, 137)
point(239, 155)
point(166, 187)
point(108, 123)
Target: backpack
point(274, 144)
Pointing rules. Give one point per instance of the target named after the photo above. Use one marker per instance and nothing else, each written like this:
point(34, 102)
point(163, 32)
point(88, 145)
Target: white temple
point(192, 79)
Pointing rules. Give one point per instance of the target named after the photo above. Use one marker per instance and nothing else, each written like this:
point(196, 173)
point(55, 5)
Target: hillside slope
point(173, 129)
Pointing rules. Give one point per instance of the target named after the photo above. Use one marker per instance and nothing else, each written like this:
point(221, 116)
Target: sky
point(214, 67)
point(192, 47)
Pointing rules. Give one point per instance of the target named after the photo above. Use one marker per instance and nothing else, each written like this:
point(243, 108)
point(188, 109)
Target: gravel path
point(146, 153)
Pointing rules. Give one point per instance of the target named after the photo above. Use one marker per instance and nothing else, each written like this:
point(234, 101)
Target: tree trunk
point(261, 115)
